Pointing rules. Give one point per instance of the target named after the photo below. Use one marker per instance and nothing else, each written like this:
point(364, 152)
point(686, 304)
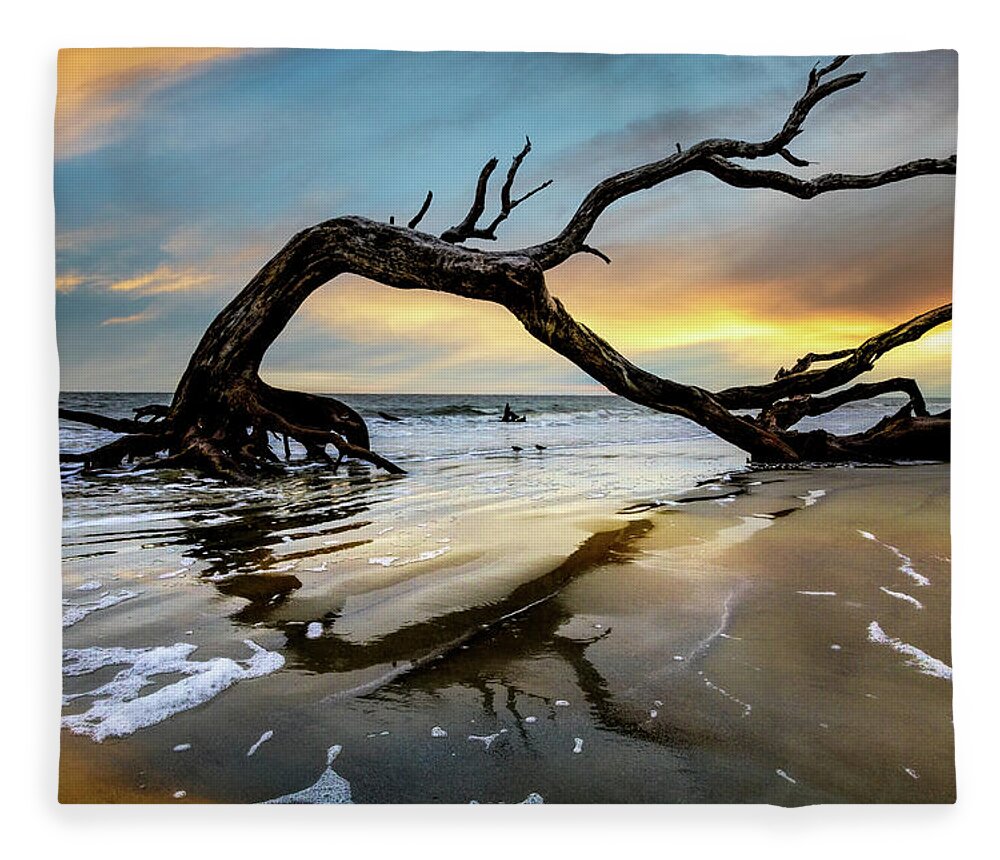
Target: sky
point(180, 172)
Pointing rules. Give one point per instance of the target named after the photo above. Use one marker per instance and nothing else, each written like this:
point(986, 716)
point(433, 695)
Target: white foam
point(812, 496)
point(747, 708)
point(835, 647)
point(562, 703)
point(180, 794)
point(487, 740)
point(182, 747)
point(654, 714)
point(264, 738)
point(118, 709)
point(534, 797)
point(911, 772)
point(314, 630)
point(818, 593)
point(91, 585)
point(578, 745)
point(431, 553)
point(531, 719)
point(78, 611)
point(919, 660)
point(395, 561)
point(785, 776)
point(438, 732)
point(899, 595)
point(906, 565)
point(331, 787)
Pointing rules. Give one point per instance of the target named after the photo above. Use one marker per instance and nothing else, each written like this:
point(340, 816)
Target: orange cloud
point(142, 316)
point(69, 282)
point(163, 279)
point(98, 87)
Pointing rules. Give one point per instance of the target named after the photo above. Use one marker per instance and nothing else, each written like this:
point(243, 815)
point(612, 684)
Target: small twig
point(791, 159)
point(587, 249)
point(423, 210)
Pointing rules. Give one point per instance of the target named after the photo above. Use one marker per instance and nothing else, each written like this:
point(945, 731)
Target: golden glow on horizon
point(458, 340)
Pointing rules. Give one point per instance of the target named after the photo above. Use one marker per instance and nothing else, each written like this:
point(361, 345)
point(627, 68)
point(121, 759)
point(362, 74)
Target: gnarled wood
point(222, 411)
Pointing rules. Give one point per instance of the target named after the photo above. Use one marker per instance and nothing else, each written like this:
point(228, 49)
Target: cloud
point(69, 281)
point(191, 168)
point(163, 279)
point(140, 317)
point(99, 87)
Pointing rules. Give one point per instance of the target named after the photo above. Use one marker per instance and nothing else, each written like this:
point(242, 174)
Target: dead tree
point(222, 412)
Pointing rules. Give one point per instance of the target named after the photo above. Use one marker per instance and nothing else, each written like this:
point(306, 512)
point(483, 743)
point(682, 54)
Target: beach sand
point(777, 636)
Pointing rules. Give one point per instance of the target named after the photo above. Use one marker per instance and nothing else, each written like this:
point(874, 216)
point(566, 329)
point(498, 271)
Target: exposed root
point(231, 441)
point(104, 422)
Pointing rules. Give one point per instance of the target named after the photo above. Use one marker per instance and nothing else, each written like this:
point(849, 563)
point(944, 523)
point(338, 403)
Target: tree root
point(235, 444)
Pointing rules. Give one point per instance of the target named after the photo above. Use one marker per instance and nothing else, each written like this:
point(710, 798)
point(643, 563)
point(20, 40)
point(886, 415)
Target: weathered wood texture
point(222, 412)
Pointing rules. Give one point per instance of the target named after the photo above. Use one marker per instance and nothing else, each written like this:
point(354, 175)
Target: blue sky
point(179, 173)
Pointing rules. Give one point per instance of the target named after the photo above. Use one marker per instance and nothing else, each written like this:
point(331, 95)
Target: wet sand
point(714, 646)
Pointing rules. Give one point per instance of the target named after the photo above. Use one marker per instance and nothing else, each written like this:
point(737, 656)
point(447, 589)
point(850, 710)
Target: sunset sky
point(180, 172)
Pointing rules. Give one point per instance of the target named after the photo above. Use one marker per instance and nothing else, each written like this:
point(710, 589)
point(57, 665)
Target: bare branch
point(811, 358)
point(806, 189)
point(856, 362)
point(713, 156)
point(791, 159)
point(588, 250)
point(467, 227)
point(787, 413)
point(416, 219)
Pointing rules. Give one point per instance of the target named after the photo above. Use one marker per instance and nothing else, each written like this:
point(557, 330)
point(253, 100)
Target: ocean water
point(419, 623)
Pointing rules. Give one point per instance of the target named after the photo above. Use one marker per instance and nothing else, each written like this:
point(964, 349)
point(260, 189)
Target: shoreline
point(751, 529)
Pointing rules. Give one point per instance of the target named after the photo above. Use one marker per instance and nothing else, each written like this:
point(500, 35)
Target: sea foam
point(919, 660)
point(118, 709)
point(906, 563)
point(331, 787)
point(78, 611)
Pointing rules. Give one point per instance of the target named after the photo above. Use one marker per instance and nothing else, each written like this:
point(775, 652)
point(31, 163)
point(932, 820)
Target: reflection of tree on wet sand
point(427, 642)
point(239, 556)
point(482, 648)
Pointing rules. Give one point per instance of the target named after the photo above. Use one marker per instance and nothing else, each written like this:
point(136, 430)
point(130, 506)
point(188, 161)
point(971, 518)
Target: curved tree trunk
point(222, 412)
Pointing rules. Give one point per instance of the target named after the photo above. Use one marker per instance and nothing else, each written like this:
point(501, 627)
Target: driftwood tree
point(222, 412)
